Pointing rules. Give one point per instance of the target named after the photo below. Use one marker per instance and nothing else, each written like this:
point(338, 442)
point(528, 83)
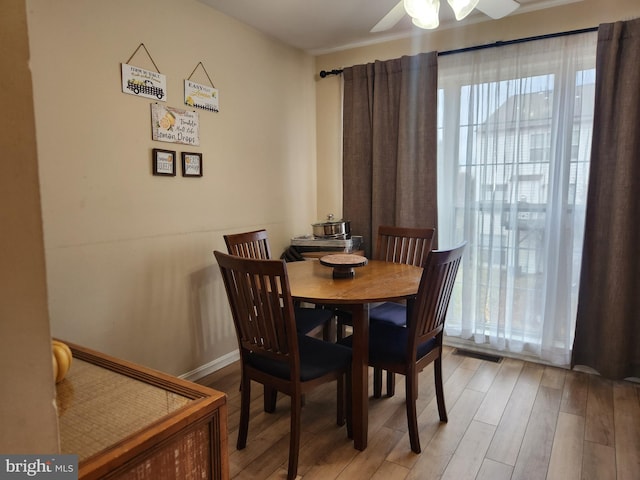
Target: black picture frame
point(164, 162)
point(191, 164)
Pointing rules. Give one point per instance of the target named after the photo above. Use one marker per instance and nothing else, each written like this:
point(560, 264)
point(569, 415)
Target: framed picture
point(164, 162)
point(191, 164)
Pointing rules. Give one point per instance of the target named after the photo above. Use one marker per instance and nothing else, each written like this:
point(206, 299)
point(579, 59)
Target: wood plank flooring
point(508, 420)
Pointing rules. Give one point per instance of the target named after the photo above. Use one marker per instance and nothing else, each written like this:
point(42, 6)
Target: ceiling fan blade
point(497, 8)
point(391, 18)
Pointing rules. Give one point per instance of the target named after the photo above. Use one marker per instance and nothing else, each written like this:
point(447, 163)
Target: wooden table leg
point(360, 380)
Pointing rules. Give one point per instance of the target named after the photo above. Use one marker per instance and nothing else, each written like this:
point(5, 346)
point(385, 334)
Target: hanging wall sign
point(144, 83)
point(200, 96)
point(175, 125)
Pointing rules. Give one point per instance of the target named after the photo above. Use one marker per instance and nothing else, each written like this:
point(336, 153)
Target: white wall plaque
point(174, 125)
point(144, 83)
point(201, 96)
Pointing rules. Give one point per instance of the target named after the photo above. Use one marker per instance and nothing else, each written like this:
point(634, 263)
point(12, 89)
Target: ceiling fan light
point(427, 22)
point(425, 10)
point(413, 7)
point(462, 8)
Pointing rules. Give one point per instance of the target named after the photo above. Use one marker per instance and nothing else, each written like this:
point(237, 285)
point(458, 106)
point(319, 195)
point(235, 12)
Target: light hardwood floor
point(508, 420)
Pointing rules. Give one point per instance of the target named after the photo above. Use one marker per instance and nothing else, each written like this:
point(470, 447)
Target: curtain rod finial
point(324, 73)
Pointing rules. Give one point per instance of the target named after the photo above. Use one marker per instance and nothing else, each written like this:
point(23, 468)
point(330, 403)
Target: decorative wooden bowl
point(343, 264)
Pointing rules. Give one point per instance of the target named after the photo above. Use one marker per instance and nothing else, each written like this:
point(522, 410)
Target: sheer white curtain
point(514, 125)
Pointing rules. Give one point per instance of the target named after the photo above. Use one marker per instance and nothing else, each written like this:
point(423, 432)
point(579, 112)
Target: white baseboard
point(213, 366)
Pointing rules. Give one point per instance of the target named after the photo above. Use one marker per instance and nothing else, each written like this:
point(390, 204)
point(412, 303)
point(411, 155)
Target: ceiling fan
point(424, 13)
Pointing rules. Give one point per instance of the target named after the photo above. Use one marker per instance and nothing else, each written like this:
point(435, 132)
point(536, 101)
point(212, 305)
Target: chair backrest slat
point(249, 244)
point(404, 245)
point(261, 307)
point(432, 302)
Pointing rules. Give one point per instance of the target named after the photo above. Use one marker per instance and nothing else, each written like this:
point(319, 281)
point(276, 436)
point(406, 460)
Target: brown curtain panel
point(389, 145)
point(607, 335)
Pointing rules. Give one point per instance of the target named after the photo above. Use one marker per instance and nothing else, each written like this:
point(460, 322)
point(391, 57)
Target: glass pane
point(86, 399)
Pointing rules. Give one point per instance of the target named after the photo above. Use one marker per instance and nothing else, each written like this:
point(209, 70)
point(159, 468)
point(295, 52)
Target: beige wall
point(28, 421)
point(129, 256)
point(583, 14)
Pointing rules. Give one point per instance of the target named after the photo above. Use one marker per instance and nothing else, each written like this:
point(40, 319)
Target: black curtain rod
point(324, 73)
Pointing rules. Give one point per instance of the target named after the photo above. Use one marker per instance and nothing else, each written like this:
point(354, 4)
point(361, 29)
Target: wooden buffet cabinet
point(129, 422)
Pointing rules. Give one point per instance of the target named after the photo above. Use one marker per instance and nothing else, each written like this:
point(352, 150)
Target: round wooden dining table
point(377, 281)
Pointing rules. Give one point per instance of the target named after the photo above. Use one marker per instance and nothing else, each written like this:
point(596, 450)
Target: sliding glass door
point(514, 133)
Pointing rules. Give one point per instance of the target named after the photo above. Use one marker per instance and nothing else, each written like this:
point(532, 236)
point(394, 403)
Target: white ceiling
point(322, 26)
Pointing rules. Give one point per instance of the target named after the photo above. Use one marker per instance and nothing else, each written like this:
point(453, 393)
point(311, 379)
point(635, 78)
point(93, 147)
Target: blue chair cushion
point(388, 343)
point(317, 358)
point(389, 312)
point(309, 318)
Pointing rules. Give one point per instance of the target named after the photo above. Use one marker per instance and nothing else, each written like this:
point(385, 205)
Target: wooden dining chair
point(272, 351)
point(404, 245)
point(255, 244)
point(249, 244)
point(407, 350)
point(398, 245)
